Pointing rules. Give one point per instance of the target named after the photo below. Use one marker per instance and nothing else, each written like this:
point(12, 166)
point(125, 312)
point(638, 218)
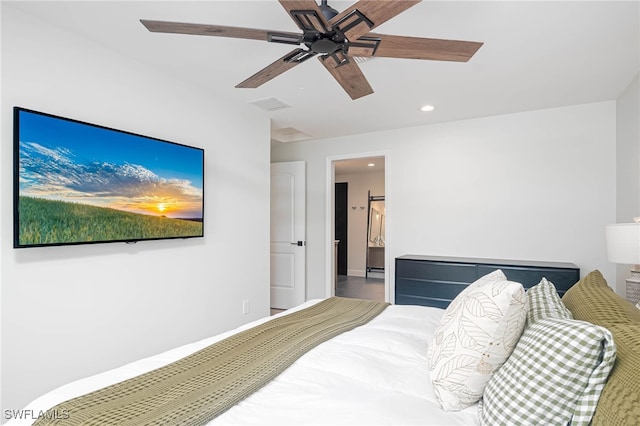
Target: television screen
point(80, 183)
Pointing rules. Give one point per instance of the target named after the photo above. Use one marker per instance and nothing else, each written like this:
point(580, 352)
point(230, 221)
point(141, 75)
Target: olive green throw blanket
point(201, 386)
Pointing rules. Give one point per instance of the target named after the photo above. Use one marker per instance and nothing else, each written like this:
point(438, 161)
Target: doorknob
point(298, 243)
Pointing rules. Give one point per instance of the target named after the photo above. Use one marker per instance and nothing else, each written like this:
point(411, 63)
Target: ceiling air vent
point(289, 134)
point(270, 104)
point(362, 59)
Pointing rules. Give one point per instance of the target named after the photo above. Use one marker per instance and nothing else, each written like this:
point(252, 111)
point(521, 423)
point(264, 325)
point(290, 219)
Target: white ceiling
point(359, 165)
point(536, 54)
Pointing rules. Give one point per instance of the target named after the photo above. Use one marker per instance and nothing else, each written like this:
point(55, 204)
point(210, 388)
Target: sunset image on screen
point(82, 165)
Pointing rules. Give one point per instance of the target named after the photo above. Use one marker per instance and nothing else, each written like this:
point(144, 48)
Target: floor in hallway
point(356, 287)
point(360, 287)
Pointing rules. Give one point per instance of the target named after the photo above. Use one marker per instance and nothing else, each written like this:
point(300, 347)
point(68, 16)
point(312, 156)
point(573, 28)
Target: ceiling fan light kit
point(335, 38)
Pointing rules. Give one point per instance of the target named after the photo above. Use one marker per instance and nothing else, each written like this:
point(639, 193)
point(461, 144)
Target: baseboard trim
point(355, 273)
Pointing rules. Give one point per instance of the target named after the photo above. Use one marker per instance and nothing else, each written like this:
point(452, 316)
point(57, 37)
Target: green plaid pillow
point(544, 302)
point(555, 375)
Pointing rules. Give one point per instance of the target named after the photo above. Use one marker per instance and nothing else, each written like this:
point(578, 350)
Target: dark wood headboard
point(436, 280)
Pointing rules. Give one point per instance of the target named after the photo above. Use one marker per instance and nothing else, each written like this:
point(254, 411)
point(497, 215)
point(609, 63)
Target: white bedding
point(375, 374)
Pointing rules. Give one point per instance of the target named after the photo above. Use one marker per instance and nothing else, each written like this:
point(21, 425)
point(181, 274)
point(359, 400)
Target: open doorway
point(360, 255)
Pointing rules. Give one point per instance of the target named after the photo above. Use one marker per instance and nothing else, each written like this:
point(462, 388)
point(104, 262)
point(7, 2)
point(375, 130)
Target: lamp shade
point(623, 243)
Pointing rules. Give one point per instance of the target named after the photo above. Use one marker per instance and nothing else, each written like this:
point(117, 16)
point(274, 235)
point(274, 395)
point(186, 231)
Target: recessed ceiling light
point(427, 108)
point(370, 164)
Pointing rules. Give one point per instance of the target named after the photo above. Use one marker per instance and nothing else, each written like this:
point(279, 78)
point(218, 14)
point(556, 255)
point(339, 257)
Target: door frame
point(330, 175)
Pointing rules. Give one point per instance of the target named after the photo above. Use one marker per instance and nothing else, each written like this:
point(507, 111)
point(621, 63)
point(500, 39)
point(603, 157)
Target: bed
point(381, 371)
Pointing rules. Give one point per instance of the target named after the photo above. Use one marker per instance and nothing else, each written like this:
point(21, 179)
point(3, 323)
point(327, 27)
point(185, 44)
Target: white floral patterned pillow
point(476, 335)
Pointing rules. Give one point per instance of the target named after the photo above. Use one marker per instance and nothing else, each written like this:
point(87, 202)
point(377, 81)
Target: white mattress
point(376, 374)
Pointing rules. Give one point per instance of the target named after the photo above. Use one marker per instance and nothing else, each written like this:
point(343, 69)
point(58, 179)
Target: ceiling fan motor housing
point(324, 43)
point(324, 46)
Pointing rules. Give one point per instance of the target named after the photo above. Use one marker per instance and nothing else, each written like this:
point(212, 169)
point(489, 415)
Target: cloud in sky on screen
point(68, 160)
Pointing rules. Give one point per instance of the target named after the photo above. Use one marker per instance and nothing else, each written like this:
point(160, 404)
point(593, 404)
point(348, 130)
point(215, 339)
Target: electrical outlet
point(245, 307)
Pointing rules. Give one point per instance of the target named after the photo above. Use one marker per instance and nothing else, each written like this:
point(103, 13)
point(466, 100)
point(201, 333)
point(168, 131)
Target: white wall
point(628, 161)
point(536, 185)
point(359, 186)
point(68, 312)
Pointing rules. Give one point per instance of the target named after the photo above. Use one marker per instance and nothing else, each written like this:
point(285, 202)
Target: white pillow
point(477, 333)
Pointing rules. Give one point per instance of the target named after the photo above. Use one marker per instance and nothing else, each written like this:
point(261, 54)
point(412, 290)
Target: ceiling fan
point(336, 38)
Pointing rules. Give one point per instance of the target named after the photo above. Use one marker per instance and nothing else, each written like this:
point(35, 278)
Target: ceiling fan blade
point(365, 15)
point(306, 14)
point(348, 74)
point(391, 46)
point(273, 70)
point(212, 30)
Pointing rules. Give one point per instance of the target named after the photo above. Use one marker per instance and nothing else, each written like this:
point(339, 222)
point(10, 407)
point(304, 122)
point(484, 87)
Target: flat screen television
point(81, 183)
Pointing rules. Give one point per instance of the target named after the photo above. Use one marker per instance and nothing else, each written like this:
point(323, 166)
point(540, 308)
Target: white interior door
point(288, 246)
